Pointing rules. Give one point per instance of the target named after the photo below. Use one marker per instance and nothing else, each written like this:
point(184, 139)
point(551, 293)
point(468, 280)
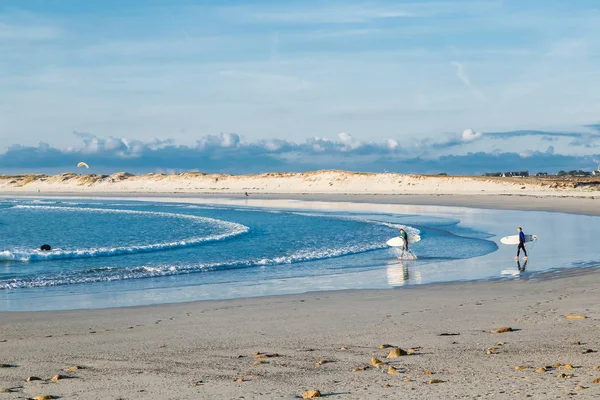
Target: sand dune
point(327, 182)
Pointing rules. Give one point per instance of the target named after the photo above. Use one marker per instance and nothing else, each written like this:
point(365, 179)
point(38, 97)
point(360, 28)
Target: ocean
point(114, 253)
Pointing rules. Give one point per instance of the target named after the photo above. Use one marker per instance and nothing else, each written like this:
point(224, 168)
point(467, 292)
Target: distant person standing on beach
point(521, 244)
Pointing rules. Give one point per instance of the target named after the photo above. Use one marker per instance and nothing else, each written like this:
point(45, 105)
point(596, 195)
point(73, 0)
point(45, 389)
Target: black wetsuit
point(404, 236)
point(521, 244)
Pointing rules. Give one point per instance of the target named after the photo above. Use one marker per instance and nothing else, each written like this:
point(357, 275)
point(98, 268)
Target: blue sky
point(299, 84)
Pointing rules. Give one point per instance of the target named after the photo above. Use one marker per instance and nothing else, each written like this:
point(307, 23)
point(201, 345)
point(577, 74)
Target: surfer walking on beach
point(521, 244)
point(404, 237)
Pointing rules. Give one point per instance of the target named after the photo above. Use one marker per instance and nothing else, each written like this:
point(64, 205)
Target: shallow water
point(109, 253)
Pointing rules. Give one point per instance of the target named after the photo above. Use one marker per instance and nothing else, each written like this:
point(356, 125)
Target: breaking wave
point(25, 255)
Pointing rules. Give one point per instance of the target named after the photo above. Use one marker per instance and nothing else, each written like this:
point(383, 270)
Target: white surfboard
point(399, 242)
point(514, 239)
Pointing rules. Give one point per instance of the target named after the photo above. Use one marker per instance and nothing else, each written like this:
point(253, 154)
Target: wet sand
point(198, 350)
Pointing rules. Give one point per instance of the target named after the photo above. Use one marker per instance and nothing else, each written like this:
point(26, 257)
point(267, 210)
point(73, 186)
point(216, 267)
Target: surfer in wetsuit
point(521, 244)
point(404, 237)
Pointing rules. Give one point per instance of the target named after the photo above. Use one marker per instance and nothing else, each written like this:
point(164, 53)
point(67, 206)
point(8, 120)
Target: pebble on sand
point(385, 346)
point(311, 394)
point(359, 369)
point(5, 366)
point(343, 348)
point(407, 379)
point(321, 362)
point(396, 352)
point(571, 316)
point(58, 378)
point(502, 330)
point(393, 371)
point(5, 390)
point(568, 366)
point(74, 368)
point(541, 370)
point(412, 350)
point(44, 397)
point(500, 344)
point(579, 387)
point(33, 378)
point(265, 355)
point(521, 367)
point(376, 362)
point(596, 381)
point(239, 380)
point(428, 372)
point(258, 362)
point(431, 381)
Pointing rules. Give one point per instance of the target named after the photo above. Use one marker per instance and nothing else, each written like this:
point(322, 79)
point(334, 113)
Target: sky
point(427, 86)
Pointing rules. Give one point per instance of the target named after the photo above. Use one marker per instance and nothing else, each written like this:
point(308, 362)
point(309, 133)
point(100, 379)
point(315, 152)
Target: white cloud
point(469, 135)
point(464, 78)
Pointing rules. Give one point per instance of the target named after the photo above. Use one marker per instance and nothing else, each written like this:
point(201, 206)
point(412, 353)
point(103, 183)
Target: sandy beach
point(283, 346)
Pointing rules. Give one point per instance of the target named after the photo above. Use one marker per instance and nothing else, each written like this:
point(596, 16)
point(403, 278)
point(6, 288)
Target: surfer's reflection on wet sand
point(398, 275)
point(521, 269)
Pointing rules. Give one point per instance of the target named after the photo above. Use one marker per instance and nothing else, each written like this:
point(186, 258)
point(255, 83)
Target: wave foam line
point(110, 274)
point(233, 228)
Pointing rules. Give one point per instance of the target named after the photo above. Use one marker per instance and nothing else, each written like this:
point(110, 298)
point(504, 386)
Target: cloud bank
point(229, 153)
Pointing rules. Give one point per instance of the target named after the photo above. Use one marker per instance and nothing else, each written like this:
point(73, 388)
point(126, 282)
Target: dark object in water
point(45, 247)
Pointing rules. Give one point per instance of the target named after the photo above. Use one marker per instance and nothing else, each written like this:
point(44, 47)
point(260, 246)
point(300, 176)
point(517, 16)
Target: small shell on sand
point(412, 350)
point(239, 380)
point(359, 369)
point(541, 370)
point(33, 378)
point(343, 348)
point(385, 346)
point(387, 385)
point(568, 366)
point(57, 378)
point(596, 381)
point(407, 379)
point(500, 344)
point(521, 367)
point(428, 372)
point(44, 397)
point(321, 362)
point(74, 368)
point(311, 394)
point(431, 381)
point(579, 387)
point(4, 390)
point(502, 330)
point(572, 316)
point(258, 362)
point(557, 365)
point(396, 352)
point(393, 371)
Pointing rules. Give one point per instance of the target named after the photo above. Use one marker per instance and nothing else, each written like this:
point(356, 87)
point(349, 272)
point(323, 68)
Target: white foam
point(233, 229)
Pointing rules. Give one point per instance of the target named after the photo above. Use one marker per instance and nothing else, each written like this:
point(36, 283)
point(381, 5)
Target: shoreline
point(198, 349)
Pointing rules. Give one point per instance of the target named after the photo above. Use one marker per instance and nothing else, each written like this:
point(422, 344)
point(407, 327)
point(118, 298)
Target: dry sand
point(325, 182)
point(197, 350)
